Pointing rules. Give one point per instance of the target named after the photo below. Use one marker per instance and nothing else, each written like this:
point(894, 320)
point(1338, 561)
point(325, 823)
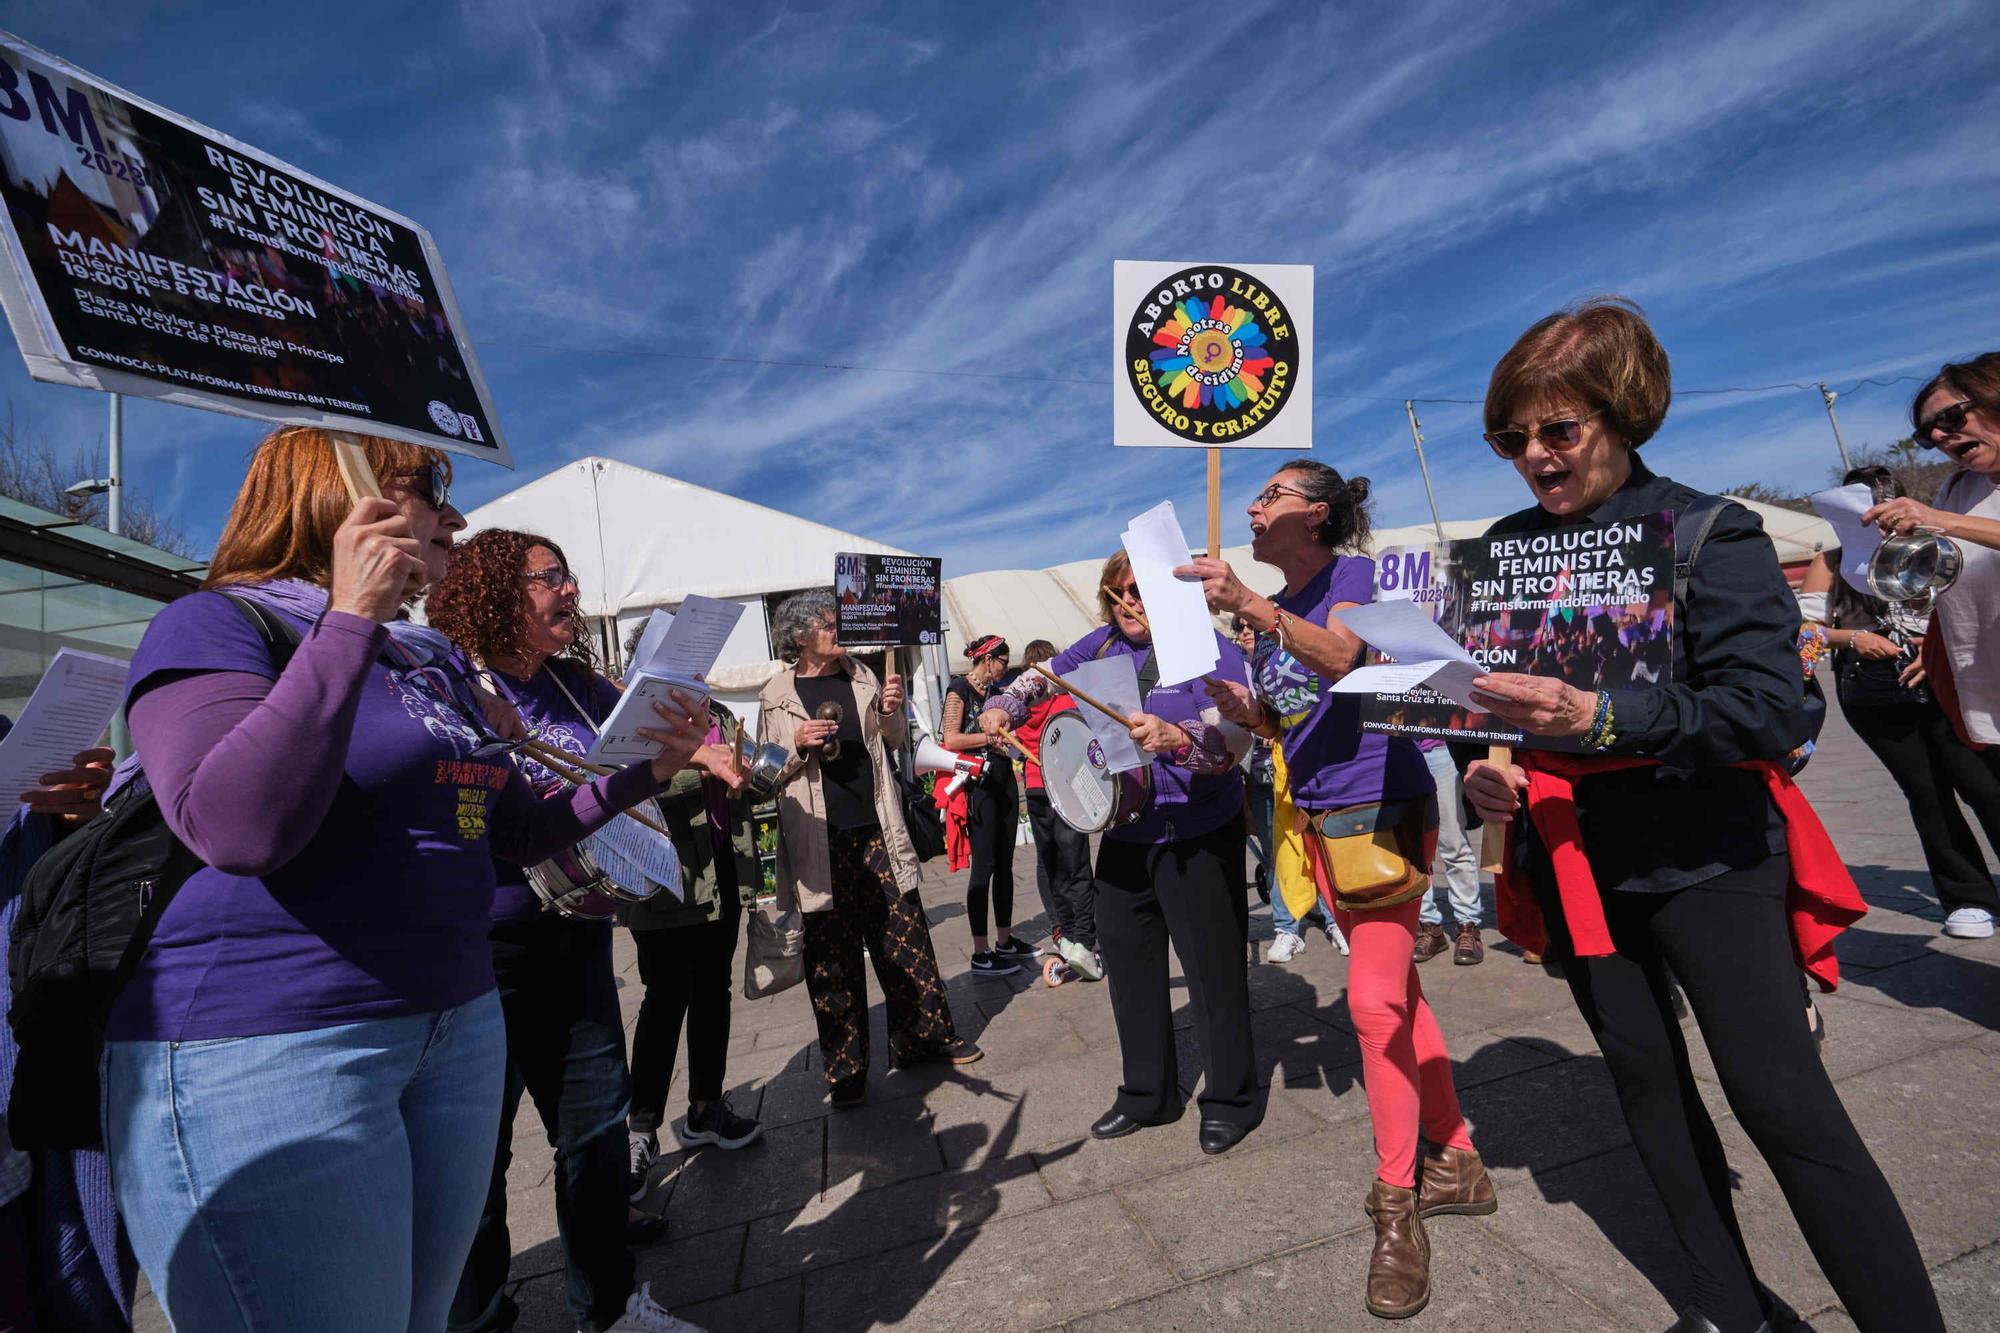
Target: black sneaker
point(1016, 947)
point(719, 1124)
point(992, 963)
point(643, 1152)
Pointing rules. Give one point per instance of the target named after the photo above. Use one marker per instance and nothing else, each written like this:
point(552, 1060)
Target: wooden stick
point(1215, 504)
point(560, 763)
point(354, 467)
point(544, 751)
point(736, 751)
point(1008, 736)
point(1493, 841)
point(1072, 690)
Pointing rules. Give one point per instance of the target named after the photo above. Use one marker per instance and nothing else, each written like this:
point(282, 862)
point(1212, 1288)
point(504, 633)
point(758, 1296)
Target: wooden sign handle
point(1493, 841)
point(354, 467)
point(1215, 504)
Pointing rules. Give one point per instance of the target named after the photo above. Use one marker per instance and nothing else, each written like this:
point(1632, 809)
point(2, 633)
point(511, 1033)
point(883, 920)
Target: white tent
point(1060, 603)
point(638, 540)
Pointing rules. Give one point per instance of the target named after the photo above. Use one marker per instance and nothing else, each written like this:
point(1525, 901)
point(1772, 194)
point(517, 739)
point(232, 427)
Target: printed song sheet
point(676, 652)
point(1183, 634)
point(1421, 653)
point(68, 712)
point(1115, 682)
point(1843, 506)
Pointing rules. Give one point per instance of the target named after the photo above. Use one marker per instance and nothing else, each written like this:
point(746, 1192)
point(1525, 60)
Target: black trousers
point(1727, 942)
point(1916, 743)
point(993, 821)
point(1190, 892)
point(870, 913)
point(1062, 872)
point(566, 1049)
point(687, 971)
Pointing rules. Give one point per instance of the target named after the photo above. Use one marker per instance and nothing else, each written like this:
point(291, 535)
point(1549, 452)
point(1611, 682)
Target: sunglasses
point(431, 483)
point(1950, 420)
point(555, 578)
point(1130, 593)
point(1563, 433)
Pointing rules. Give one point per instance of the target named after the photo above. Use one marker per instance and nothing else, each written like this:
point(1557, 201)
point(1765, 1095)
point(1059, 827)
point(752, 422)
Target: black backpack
point(1691, 529)
point(88, 909)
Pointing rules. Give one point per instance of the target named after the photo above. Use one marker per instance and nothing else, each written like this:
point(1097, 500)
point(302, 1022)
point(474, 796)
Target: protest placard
point(151, 255)
point(1209, 355)
point(1592, 605)
point(885, 601)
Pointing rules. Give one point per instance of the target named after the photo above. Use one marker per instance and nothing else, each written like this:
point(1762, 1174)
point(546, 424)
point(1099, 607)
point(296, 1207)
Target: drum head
point(1079, 786)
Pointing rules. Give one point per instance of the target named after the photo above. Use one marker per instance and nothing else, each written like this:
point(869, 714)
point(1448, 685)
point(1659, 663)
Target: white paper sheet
point(627, 851)
point(676, 651)
point(72, 704)
point(1843, 506)
point(1113, 681)
point(1183, 634)
point(1421, 653)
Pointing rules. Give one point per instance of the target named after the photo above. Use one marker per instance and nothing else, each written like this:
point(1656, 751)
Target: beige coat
point(805, 874)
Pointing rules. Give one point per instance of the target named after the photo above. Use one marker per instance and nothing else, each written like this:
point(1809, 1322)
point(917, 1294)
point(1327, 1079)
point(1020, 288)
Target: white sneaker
point(1082, 961)
point(1969, 923)
point(1286, 947)
point(643, 1314)
point(1334, 937)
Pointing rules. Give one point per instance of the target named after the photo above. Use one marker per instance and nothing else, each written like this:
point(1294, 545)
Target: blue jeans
point(1456, 866)
point(308, 1181)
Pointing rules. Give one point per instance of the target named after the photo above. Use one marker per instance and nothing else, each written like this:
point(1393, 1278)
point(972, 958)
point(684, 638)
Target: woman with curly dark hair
point(508, 600)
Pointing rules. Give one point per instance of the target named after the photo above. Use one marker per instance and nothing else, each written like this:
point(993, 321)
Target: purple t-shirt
point(373, 905)
point(1330, 761)
point(550, 714)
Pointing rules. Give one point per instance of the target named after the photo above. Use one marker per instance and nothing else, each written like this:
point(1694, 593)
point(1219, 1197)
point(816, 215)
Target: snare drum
point(1086, 795)
point(570, 884)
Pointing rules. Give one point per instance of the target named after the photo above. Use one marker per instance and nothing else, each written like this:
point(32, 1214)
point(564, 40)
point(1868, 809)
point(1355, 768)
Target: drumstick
point(736, 751)
point(1015, 741)
point(542, 750)
point(1070, 689)
point(560, 763)
point(1493, 841)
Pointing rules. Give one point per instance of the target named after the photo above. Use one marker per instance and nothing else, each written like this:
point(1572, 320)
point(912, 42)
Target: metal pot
point(765, 763)
point(1910, 566)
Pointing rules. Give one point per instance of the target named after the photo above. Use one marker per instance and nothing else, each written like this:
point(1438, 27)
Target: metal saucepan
point(1913, 565)
point(765, 762)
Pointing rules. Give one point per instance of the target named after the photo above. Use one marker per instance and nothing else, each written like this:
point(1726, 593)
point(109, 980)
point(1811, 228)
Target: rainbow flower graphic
point(1210, 355)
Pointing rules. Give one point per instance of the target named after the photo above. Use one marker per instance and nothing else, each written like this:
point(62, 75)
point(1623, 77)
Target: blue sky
point(1792, 192)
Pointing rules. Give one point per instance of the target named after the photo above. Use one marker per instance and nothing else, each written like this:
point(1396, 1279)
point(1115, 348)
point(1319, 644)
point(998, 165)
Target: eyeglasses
point(555, 578)
point(1269, 495)
point(1561, 434)
point(1950, 420)
point(1130, 593)
point(431, 483)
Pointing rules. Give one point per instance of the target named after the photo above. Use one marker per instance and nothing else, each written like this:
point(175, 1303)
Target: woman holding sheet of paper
point(1368, 813)
point(1677, 842)
point(302, 1079)
point(1175, 874)
point(844, 856)
point(508, 600)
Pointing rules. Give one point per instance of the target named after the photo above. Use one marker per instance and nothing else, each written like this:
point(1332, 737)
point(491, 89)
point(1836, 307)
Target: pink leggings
point(1404, 1065)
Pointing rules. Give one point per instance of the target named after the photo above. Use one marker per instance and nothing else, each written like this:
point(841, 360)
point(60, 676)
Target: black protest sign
point(885, 601)
point(1591, 605)
point(154, 256)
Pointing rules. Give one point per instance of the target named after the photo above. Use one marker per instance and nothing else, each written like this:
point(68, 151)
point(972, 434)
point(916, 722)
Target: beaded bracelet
point(1600, 735)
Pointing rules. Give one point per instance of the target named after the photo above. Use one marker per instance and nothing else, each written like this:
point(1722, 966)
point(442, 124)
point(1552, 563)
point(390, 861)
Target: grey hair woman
point(844, 857)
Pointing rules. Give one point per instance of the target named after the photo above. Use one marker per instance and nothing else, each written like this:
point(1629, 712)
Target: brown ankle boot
point(1399, 1272)
point(1453, 1180)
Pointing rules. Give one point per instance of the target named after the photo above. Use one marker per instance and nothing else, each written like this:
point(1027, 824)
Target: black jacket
point(1737, 694)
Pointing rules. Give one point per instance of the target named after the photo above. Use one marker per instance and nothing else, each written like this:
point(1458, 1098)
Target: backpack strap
point(280, 635)
point(1691, 529)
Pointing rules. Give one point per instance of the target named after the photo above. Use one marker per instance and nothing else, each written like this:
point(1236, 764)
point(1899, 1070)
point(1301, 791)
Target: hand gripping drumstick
point(1072, 690)
point(1008, 736)
point(571, 769)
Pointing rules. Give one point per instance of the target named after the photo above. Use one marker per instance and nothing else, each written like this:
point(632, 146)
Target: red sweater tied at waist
point(1820, 902)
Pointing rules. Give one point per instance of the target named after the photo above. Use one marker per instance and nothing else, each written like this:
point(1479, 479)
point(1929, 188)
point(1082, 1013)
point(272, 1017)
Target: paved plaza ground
point(974, 1199)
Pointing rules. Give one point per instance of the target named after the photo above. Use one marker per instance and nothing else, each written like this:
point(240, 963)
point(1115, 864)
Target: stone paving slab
point(972, 1197)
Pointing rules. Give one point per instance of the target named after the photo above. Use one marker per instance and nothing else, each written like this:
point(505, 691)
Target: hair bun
point(1357, 490)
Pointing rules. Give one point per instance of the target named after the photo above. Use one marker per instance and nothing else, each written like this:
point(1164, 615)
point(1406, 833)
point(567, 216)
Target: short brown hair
point(1599, 351)
point(480, 601)
point(1115, 571)
point(1978, 379)
point(291, 502)
point(1038, 650)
